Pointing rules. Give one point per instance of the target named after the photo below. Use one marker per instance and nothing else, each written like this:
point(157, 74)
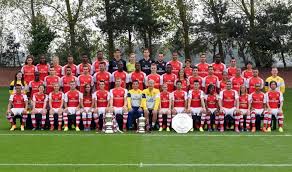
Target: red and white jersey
point(169, 80)
point(39, 100)
point(43, 69)
point(179, 98)
point(274, 98)
point(118, 95)
point(50, 81)
point(211, 101)
point(80, 68)
point(210, 80)
point(185, 84)
point(58, 69)
point(228, 98)
point(192, 80)
point(73, 69)
point(139, 76)
point(87, 101)
point(231, 71)
point(34, 86)
point(18, 100)
point(222, 85)
point(251, 82)
point(72, 98)
point(56, 99)
point(95, 65)
point(257, 100)
point(203, 69)
point(102, 97)
point(83, 80)
point(195, 96)
point(122, 75)
point(155, 78)
point(247, 74)
point(65, 82)
point(243, 101)
point(28, 72)
point(164, 99)
point(218, 69)
point(102, 76)
point(176, 66)
point(237, 82)
point(188, 71)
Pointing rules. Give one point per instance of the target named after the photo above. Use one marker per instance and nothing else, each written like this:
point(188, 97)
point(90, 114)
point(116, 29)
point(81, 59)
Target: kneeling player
point(229, 106)
point(17, 107)
point(56, 100)
point(243, 108)
point(196, 104)
point(72, 106)
point(165, 108)
point(39, 104)
point(275, 103)
point(87, 105)
point(211, 103)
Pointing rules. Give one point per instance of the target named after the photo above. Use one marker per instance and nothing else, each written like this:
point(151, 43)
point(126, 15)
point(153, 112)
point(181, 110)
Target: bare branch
point(56, 9)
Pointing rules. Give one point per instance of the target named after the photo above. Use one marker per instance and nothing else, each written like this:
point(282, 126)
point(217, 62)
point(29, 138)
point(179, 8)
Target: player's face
point(85, 70)
point(228, 85)
point(118, 82)
point(55, 60)
point(196, 85)
point(160, 57)
point(274, 72)
point(146, 53)
point(72, 85)
point(41, 89)
point(29, 61)
point(70, 60)
point(212, 90)
point(225, 75)
point(117, 54)
point(258, 87)
point(56, 87)
point(42, 59)
point(255, 72)
point(164, 87)
point(174, 56)
point(100, 55)
point(238, 72)
point(19, 76)
point(101, 85)
point(178, 85)
point(233, 62)
point(132, 58)
point(195, 71)
point(248, 66)
point(84, 59)
point(218, 59)
point(37, 76)
point(68, 71)
point(168, 69)
point(211, 71)
point(52, 71)
point(273, 86)
point(101, 67)
point(135, 85)
point(120, 66)
point(87, 88)
point(153, 68)
point(151, 84)
point(18, 89)
point(243, 89)
point(181, 73)
point(188, 64)
point(203, 58)
point(137, 66)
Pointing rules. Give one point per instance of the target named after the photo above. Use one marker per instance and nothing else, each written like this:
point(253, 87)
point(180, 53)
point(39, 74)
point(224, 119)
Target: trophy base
point(141, 131)
point(109, 131)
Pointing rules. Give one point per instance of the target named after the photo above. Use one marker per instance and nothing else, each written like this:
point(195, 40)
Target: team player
point(160, 64)
point(165, 108)
point(131, 63)
point(210, 79)
point(229, 106)
point(99, 59)
point(87, 107)
point(72, 101)
point(66, 79)
point(56, 101)
point(219, 67)
point(279, 80)
point(146, 62)
point(118, 103)
point(121, 74)
point(39, 105)
point(28, 69)
point(252, 81)
point(195, 77)
point(248, 72)
point(113, 64)
point(102, 75)
point(43, 67)
point(188, 70)
point(168, 78)
point(196, 105)
point(211, 103)
point(17, 107)
point(243, 108)
point(237, 81)
point(184, 80)
point(257, 106)
point(18, 79)
point(34, 85)
point(153, 76)
point(101, 100)
point(51, 80)
point(175, 63)
point(85, 62)
point(275, 105)
point(57, 66)
point(84, 79)
point(178, 100)
point(222, 83)
point(203, 66)
point(138, 75)
point(231, 70)
point(70, 63)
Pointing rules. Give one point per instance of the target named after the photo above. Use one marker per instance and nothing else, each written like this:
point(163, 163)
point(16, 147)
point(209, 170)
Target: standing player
point(175, 63)
point(51, 80)
point(203, 66)
point(153, 76)
point(168, 78)
point(160, 64)
point(252, 81)
point(57, 66)
point(43, 67)
point(243, 108)
point(248, 72)
point(28, 69)
point(195, 77)
point(138, 75)
point(85, 62)
point(71, 64)
point(72, 101)
point(237, 81)
point(66, 79)
point(224, 80)
point(113, 64)
point(56, 101)
point(218, 67)
point(39, 105)
point(165, 108)
point(121, 74)
point(146, 62)
point(99, 59)
point(87, 105)
point(178, 100)
point(275, 105)
point(211, 103)
point(34, 85)
point(196, 105)
point(17, 107)
point(188, 70)
point(184, 80)
point(210, 79)
point(84, 79)
point(131, 63)
point(280, 81)
point(102, 75)
point(229, 106)
point(231, 70)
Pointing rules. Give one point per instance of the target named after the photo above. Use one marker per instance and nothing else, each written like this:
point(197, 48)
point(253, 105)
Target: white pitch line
point(141, 165)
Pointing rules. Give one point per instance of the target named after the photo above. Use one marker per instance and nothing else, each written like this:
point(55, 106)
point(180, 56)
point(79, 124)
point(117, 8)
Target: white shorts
point(72, 110)
point(118, 110)
point(229, 111)
point(179, 109)
point(164, 110)
point(101, 110)
point(17, 111)
point(212, 110)
point(38, 110)
point(55, 110)
point(258, 111)
point(87, 109)
point(196, 111)
point(275, 112)
point(243, 111)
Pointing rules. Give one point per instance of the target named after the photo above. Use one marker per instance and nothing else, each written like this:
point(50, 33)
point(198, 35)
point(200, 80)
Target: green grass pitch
point(36, 151)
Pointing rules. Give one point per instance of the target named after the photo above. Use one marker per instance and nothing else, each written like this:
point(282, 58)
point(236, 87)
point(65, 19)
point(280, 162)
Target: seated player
point(196, 104)
point(101, 100)
point(178, 99)
point(39, 105)
point(87, 107)
point(17, 107)
point(165, 108)
point(118, 103)
point(150, 104)
point(229, 106)
point(243, 108)
point(257, 104)
point(56, 101)
point(72, 101)
point(134, 99)
point(275, 105)
point(211, 103)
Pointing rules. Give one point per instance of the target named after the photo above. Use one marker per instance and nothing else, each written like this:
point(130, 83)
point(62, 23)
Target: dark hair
point(209, 88)
point(178, 81)
point(195, 67)
point(29, 57)
point(86, 93)
point(240, 92)
point(15, 78)
point(42, 55)
point(136, 81)
point(248, 62)
point(18, 85)
point(117, 50)
point(274, 83)
point(210, 67)
point(146, 49)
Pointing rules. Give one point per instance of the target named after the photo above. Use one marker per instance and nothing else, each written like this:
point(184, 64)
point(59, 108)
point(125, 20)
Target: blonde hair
point(56, 58)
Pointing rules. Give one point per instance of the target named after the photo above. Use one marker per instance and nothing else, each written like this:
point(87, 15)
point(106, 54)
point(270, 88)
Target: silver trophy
point(109, 123)
point(141, 124)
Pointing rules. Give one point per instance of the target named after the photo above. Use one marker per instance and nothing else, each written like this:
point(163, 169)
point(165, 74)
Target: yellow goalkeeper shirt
point(134, 98)
point(151, 99)
point(280, 83)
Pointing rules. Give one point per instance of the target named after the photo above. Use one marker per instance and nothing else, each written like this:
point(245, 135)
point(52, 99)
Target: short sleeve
point(25, 97)
point(11, 97)
point(220, 95)
point(66, 97)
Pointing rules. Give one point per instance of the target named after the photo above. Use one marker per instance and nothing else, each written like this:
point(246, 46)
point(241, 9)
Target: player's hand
point(221, 110)
point(9, 111)
point(25, 111)
point(280, 110)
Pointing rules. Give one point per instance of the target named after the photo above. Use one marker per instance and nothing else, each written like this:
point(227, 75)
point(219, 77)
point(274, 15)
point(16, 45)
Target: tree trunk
point(241, 53)
point(130, 46)
point(150, 42)
point(110, 32)
point(32, 13)
point(183, 17)
point(283, 59)
point(214, 50)
point(145, 40)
